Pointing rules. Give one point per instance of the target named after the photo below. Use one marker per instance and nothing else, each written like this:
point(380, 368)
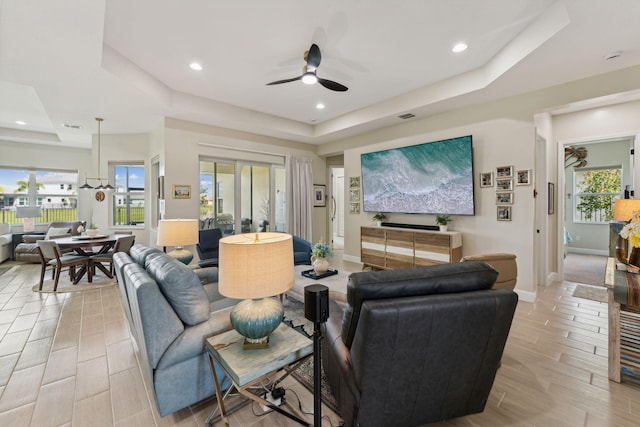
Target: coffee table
point(337, 284)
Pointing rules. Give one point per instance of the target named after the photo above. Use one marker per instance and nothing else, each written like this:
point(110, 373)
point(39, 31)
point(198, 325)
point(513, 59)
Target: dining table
point(88, 246)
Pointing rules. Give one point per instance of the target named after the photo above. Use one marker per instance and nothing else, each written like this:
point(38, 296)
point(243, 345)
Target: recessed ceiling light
point(20, 122)
point(195, 66)
point(459, 47)
point(320, 106)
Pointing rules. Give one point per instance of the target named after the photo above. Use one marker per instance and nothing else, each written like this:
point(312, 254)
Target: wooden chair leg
point(42, 271)
point(55, 283)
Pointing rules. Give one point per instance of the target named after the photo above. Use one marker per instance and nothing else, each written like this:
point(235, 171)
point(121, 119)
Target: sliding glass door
point(241, 197)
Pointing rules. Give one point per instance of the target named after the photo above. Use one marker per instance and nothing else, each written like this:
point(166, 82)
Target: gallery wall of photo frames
point(505, 180)
point(354, 195)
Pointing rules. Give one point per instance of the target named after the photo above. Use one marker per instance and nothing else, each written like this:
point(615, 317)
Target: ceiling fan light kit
point(313, 58)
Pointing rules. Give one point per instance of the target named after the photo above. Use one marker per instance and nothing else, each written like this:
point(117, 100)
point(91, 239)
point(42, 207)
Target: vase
point(92, 232)
point(320, 265)
point(443, 228)
point(379, 223)
point(634, 257)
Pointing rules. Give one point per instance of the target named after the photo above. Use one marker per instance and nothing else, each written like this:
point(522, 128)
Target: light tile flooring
point(68, 359)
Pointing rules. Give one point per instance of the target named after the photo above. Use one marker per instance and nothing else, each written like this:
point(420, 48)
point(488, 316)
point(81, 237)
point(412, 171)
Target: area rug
point(594, 293)
point(294, 317)
point(581, 268)
point(65, 285)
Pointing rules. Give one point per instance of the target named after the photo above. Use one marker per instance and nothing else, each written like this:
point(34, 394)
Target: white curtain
point(301, 206)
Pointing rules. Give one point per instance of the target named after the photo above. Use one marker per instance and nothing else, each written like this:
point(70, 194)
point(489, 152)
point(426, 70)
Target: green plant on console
point(443, 219)
point(379, 216)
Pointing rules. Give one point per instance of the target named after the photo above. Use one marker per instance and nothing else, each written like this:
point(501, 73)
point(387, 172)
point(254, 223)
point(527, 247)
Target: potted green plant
point(443, 221)
point(319, 254)
point(379, 217)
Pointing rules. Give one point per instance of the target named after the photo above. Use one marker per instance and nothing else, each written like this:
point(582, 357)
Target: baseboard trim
point(351, 258)
point(526, 296)
point(585, 251)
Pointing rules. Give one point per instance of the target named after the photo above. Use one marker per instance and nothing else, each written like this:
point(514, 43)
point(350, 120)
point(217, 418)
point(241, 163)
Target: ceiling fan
point(313, 58)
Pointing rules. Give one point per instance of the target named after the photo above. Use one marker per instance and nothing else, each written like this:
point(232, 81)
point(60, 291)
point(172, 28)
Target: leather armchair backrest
point(431, 280)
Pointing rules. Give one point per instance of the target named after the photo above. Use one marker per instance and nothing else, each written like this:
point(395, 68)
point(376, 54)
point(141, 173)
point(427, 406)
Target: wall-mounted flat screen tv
point(430, 178)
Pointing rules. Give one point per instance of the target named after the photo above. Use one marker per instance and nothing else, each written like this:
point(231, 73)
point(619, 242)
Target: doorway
point(336, 208)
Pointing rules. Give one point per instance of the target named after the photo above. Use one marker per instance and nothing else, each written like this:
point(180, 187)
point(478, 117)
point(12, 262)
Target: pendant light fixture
point(86, 186)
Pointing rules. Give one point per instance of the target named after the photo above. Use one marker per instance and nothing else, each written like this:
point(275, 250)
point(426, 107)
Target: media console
point(391, 247)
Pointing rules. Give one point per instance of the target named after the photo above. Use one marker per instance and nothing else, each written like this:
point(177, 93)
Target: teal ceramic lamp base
point(256, 319)
point(181, 254)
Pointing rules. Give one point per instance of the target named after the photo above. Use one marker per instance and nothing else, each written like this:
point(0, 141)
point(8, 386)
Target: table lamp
point(623, 213)
point(254, 267)
point(178, 233)
point(28, 215)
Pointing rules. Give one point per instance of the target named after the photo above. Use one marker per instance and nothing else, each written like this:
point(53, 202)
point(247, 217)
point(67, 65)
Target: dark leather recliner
point(208, 247)
point(418, 345)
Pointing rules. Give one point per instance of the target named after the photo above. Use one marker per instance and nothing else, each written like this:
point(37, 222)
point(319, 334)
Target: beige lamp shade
point(624, 208)
point(177, 232)
point(255, 265)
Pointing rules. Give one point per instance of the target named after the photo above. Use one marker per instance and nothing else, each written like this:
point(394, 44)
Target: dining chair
point(50, 256)
point(123, 244)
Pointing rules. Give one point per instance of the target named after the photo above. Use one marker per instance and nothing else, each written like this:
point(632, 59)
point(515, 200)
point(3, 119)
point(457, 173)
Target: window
point(595, 193)
point(51, 190)
point(128, 197)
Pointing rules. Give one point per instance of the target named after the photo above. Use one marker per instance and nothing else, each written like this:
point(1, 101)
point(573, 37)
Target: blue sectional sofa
point(171, 309)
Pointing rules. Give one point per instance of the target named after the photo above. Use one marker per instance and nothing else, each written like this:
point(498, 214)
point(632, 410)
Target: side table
point(246, 368)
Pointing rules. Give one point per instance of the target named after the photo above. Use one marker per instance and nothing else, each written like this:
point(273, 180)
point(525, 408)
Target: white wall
point(500, 142)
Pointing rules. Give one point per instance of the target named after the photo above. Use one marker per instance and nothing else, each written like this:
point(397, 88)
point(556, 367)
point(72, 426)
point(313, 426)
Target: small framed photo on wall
point(523, 177)
point(504, 213)
point(182, 191)
point(504, 184)
point(354, 208)
point(504, 198)
point(486, 179)
point(354, 195)
point(504, 172)
point(319, 196)
point(354, 182)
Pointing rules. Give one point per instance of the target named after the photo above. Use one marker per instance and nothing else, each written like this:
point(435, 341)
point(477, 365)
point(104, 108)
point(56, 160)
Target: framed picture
point(504, 184)
point(504, 213)
point(486, 179)
point(505, 198)
point(354, 208)
point(319, 196)
point(354, 195)
point(551, 197)
point(354, 182)
point(182, 191)
point(504, 172)
point(523, 177)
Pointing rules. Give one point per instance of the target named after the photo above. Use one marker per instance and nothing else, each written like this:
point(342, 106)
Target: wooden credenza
point(390, 247)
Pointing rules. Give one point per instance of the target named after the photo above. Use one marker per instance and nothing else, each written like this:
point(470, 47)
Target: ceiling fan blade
point(314, 57)
point(330, 84)
point(277, 82)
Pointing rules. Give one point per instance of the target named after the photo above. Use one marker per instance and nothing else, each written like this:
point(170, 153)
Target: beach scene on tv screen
point(433, 178)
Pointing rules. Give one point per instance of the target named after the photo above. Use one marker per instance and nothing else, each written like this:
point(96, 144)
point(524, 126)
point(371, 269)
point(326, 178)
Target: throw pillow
point(181, 287)
point(54, 232)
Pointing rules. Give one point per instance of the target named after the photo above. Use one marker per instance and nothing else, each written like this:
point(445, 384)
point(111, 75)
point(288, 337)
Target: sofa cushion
point(181, 287)
point(139, 253)
point(54, 232)
point(407, 282)
point(5, 228)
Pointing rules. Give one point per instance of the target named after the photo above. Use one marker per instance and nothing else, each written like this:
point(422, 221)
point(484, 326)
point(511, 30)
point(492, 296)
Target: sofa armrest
point(207, 274)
